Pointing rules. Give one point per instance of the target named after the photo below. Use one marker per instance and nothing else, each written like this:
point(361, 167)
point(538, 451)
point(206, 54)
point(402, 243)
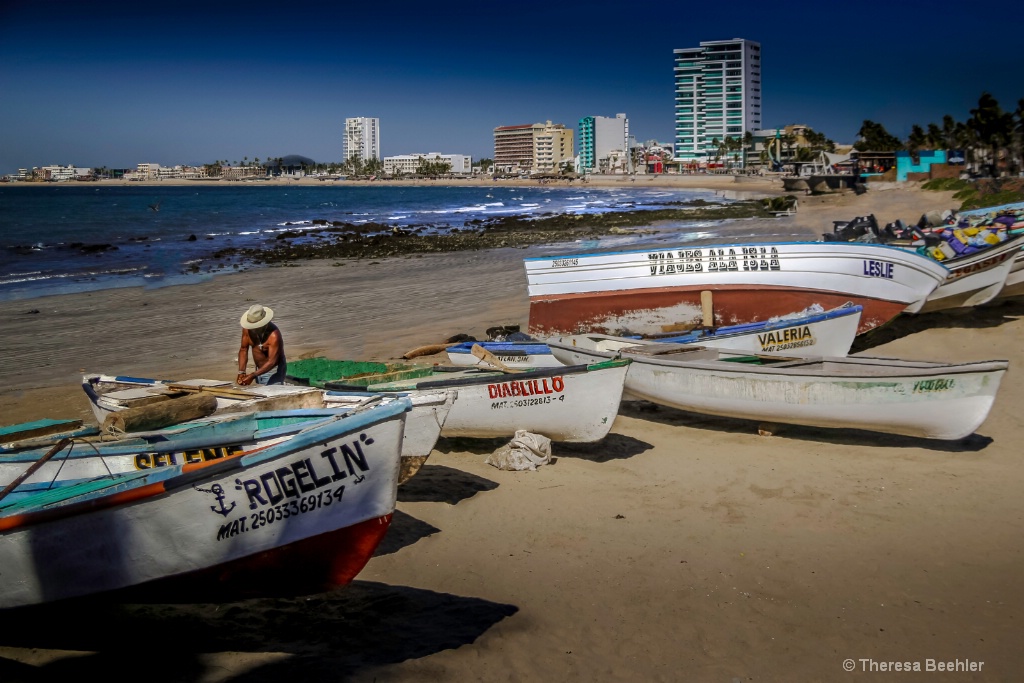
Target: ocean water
point(56, 239)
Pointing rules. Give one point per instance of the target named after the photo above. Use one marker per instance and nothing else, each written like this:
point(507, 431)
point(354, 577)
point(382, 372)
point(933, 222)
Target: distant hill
point(291, 160)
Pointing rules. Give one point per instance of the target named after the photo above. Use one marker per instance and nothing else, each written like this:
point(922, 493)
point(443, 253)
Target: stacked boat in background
point(979, 251)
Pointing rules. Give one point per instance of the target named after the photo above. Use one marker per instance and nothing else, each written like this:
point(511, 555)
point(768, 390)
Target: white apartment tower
point(718, 95)
point(362, 138)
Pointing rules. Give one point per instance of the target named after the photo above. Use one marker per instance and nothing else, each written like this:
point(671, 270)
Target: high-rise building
point(362, 138)
point(599, 137)
point(718, 95)
point(536, 148)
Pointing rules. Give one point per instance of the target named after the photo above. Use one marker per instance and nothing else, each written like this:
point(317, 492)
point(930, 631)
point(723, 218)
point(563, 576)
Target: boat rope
point(60, 445)
point(65, 459)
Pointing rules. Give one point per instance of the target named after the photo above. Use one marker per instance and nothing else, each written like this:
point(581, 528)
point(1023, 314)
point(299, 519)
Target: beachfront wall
point(905, 163)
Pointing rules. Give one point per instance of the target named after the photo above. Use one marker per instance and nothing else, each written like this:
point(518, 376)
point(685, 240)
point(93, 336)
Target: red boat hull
point(615, 312)
point(313, 565)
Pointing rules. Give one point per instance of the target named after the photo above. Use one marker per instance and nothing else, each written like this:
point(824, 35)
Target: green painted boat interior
point(61, 494)
point(318, 371)
point(613, 363)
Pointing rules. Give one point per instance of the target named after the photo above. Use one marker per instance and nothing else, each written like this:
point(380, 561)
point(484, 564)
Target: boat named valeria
point(815, 332)
point(914, 398)
point(657, 290)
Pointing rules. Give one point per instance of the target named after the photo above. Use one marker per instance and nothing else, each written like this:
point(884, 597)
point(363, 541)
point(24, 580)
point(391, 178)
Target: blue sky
point(114, 83)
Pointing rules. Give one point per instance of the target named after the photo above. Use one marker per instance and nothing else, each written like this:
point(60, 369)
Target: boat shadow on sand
point(977, 317)
point(612, 447)
point(441, 484)
point(330, 636)
point(653, 412)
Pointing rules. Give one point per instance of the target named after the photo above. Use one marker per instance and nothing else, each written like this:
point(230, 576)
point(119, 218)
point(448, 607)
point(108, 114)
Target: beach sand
point(680, 548)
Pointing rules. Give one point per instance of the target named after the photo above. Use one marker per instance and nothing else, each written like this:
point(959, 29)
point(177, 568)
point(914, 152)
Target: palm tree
point(1018, 136)
point(748, 145)
point(992, 126)
point(948, 132)
point(916, 140)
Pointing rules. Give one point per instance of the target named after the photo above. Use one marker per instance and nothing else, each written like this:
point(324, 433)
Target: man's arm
point(273, 345)
point(243, 357)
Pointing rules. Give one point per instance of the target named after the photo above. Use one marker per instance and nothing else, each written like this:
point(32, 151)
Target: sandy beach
point(680, 548)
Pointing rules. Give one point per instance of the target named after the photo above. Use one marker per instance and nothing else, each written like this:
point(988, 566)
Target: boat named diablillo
point(655, 290)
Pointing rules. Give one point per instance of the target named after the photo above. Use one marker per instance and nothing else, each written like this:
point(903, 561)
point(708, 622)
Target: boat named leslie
point(651, 291)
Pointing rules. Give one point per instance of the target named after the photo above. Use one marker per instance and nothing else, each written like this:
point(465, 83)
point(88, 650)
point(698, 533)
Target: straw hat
point(257, 316)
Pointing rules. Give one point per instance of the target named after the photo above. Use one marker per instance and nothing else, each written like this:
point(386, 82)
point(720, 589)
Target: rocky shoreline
point(343, 240)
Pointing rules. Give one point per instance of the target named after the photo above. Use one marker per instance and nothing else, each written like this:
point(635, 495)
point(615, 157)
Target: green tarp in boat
point(357, 374)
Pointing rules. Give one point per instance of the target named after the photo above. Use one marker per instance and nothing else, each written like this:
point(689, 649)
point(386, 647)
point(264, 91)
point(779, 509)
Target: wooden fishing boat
point(1013, 287)
point(657, 290)
point(113, 393)
point(219, 436)
point(914, 398)
point(110, 394)
point(577, 404)
point(519, 355)
point(975, 279)
point(303, 514)
point(825, 333)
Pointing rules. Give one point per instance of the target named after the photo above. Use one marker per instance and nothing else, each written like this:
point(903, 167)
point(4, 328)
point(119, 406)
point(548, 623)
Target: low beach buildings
point(408, 164)
point(717, 95)
point(533, 148)
point(362, 138)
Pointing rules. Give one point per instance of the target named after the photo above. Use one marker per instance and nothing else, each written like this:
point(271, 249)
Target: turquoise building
point(921, 162)
point(588, 158)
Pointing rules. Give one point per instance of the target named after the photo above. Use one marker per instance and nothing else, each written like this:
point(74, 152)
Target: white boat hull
point(572, 406)
point(423, 426)
point(518, 361)
point(646, 292)
point(929, 400)
point(975, 279)
point(264, 510)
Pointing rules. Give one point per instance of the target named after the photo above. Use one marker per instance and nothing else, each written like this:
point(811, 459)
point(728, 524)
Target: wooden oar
point(489, 358)
point(223, 392)
point(34, 466)
point(428, 350)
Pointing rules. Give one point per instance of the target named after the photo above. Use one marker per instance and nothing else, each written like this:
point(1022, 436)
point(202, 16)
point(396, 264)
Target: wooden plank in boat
point(134, 393)
point(660, 349)
point(220, 390)
point(203, 383)
point(28, 430)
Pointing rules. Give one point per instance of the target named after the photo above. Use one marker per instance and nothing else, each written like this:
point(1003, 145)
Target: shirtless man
point(264, 338)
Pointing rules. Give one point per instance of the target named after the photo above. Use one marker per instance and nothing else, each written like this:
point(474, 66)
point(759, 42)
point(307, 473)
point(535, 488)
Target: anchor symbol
point(218, 491)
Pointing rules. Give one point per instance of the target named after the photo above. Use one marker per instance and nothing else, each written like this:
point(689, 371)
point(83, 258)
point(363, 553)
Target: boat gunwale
point(841, 245)
point(903, 368)
point(167, 480)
